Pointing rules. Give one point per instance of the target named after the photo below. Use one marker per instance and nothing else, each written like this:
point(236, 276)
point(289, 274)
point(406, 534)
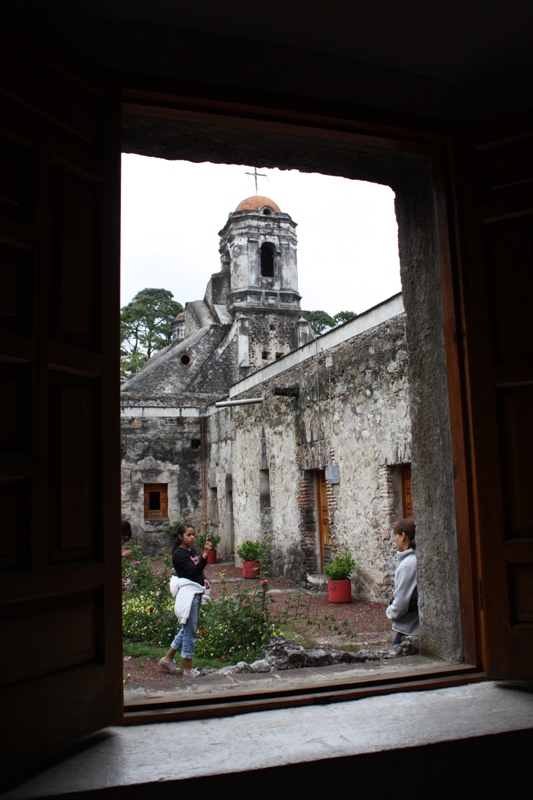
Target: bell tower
point(258, 246)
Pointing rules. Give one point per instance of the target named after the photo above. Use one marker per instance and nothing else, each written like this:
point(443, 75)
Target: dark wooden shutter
point(60, 622)
point(495, 203)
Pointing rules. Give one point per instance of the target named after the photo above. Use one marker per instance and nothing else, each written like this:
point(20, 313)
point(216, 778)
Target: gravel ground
point(367, 620)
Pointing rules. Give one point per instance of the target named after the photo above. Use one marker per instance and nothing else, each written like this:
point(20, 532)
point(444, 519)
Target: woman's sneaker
point(170, 666)
point(194, 673)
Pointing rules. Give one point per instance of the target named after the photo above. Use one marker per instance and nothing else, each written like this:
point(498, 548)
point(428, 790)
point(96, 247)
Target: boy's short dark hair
point(407, 526)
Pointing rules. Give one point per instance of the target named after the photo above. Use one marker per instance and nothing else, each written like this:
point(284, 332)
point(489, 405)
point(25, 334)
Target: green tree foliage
point(145, 327)
point(343, 316)
point(321, 321)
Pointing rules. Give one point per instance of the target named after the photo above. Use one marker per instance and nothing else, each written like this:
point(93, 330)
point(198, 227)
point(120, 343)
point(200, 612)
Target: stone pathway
point(224, 685)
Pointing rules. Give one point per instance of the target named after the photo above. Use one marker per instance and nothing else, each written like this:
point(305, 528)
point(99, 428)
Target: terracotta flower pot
point(340, 591)
point(212, 557)
point(250, 569)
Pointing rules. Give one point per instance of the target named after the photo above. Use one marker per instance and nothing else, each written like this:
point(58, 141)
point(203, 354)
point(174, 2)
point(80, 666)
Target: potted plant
point(251, 554)
point(339, 583)
point(215, 539)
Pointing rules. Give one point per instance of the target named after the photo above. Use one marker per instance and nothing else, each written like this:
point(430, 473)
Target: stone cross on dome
point(256, 175)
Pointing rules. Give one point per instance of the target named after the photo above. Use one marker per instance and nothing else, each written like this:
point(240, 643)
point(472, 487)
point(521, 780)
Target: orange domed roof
point(256, 202)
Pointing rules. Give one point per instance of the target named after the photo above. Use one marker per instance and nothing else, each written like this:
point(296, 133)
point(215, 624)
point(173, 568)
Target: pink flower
point(137, 562)
point(264, 582)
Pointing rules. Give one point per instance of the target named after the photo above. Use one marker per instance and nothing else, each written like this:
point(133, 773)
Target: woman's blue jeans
point(186, 638)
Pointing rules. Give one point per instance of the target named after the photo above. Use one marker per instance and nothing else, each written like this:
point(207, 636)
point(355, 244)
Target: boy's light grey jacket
point(404, 621)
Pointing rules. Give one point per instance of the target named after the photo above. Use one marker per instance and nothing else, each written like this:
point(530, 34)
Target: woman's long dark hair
point(178, 538)
point(408, 527)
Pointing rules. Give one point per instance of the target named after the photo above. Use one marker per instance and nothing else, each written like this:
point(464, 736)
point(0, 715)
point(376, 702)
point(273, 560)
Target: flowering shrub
point(236, 627)
point(147, 605)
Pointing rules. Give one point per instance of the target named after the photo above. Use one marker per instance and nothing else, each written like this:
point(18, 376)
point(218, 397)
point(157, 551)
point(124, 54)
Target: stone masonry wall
point(160, 450)
point(274, 334)
point(361, 424)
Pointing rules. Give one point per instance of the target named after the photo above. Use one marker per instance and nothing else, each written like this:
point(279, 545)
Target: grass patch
point(146, 651)
point(350, 648)
point(141, 650)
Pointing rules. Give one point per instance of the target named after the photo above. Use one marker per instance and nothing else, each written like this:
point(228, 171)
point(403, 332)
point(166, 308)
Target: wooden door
point(495, 203)
point(60, 628)
point(407, 492)
point(324, 535)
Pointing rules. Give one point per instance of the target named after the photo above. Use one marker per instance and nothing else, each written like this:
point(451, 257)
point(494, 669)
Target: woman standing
point(190, 567)
point(403, 608)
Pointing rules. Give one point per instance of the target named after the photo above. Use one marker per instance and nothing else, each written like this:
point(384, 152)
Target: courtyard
point(305, 616)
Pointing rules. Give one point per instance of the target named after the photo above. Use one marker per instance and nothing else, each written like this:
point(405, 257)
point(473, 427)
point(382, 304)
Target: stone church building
point(250, 426)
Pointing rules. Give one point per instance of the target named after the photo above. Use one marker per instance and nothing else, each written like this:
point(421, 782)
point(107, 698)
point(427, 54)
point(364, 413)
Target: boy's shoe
point(194, 673)
point(170, 666)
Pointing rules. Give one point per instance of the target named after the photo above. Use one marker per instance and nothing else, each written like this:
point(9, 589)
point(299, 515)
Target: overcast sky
point(172, 212)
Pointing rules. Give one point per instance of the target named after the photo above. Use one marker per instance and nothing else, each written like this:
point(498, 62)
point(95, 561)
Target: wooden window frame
point(162, 513)
point(436, 147)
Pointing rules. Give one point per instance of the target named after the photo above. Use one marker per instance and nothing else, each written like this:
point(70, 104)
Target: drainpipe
point(245, 402)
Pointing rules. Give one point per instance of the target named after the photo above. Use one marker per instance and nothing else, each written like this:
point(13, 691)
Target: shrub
point(341, 567)
point(236, 627)
point(251, 551)
point(215, 538)
point(147, 605)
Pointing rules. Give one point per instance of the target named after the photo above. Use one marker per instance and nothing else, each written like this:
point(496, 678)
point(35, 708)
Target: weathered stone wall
point(177, 368)
point(220, 466)
point(270, 337)
point(160, 450)
point(361, 423)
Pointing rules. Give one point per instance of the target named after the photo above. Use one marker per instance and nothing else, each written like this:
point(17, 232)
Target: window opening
point(267, 260)
point(326, 544)
point(264, 488)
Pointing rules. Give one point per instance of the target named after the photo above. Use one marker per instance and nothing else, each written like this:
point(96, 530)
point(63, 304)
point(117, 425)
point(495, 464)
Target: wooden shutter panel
point(496, 210)
point(60, 621)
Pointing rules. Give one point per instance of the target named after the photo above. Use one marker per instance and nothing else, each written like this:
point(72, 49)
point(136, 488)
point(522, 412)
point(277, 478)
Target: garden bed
point(355, 625)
